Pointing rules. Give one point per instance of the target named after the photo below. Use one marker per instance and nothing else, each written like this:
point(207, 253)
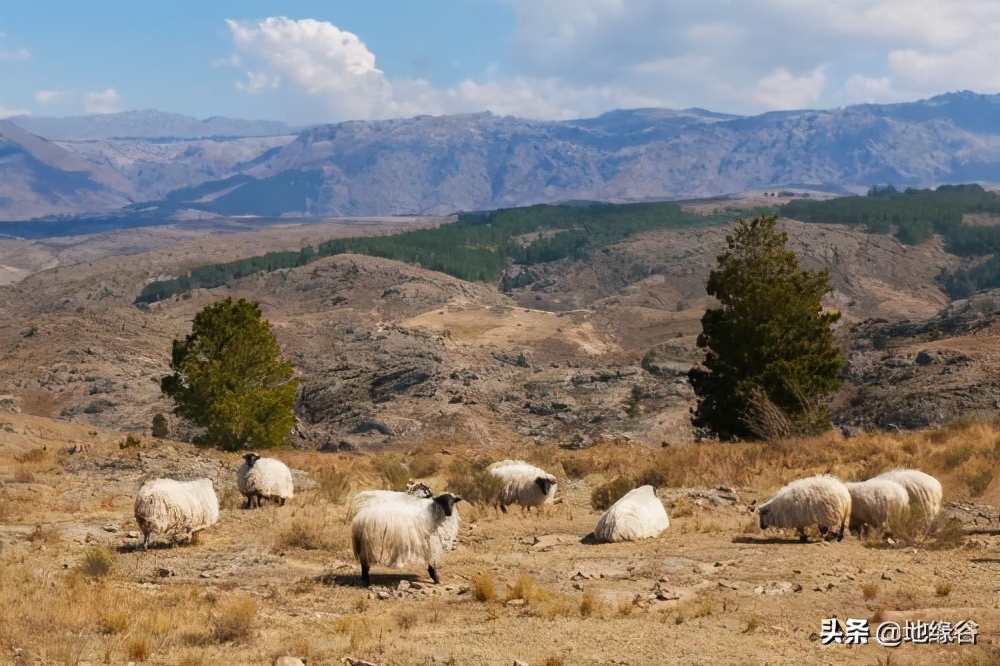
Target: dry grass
point(608, 493)
point(392, 470)
point(468, 478)
point(869, 591)
point(97, 561)
point(233, 618)
point(484, 587)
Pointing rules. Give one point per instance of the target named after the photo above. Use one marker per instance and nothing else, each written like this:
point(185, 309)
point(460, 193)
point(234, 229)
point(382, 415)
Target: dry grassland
point(281, 581)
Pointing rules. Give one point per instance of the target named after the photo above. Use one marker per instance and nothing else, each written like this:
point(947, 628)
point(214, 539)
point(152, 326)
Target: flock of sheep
point(399, 529)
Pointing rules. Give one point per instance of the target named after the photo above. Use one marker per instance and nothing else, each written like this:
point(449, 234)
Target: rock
point(110, 528)
point(382, 595)
point(132, 534)
point(403, 586)
point(165, 573)
point(289, 661)
point(797, 587)
point(515, 603)
point(924, 358)
point(548, 541)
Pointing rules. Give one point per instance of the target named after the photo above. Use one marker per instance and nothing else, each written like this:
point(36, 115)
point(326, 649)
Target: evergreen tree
point(161, 428)
point(770, 351)
point(229, 377)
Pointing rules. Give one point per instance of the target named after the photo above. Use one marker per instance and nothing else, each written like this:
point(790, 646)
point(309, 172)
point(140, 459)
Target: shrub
point(233, 618)
point(608, 493)
point(131, 441)
point(161, 428)
point(98, 561)
point(473, 483)
point(484, 587)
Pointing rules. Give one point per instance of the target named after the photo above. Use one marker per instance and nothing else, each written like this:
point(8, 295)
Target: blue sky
point(306, 62)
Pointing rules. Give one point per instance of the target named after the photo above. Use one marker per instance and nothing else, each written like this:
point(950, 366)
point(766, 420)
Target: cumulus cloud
point(52, 96)
point(102, 101)
point(572, 58)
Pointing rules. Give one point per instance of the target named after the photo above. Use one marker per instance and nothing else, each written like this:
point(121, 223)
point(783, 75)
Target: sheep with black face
point(399, 529)
point(523, 484)
point(259, 479)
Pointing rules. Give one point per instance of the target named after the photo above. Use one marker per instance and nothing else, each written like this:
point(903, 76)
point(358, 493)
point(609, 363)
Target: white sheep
point(523, 484)
point(924, 490)
point(447, 531)
point(639, 514)
point(874, 500)
point(264, 478)
point(179, 508)
point(398, 530)
point(817, 500)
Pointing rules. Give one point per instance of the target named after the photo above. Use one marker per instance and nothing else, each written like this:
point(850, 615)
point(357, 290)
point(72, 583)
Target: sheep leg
point(502, 508)
point(366, 579)
point(248, 502)
point(145, 539)
point(840, 535)
point(432, 572)
point(281, 501)
point(803, 537)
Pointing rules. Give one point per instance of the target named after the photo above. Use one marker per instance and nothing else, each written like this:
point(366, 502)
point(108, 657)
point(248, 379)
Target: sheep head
point(447, 502)
point(251, 458)
point(763, 517)
point(544, 484)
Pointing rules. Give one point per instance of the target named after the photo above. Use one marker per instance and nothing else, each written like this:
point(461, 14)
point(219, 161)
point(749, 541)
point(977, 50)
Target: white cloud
point(7, 113)
point(572, 58)
point(52, 96)
point(15, 54)
point(102, 101)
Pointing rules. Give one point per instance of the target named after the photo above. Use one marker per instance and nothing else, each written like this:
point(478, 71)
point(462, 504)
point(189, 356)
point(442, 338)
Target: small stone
point(132, 535)
point(462, 589)
point(797, 587)
point(205, 574)
point(796, 571)
point(830, 586)
point(518, 662)
point(403, 586)
point(164, 573)
point(382, 595)
point(886, 576)
point(110, 528)
point(577, 586)
point(516, 603)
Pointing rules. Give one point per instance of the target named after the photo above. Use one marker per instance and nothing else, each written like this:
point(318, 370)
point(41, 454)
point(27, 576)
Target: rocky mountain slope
point(388, 352)
point(148, 124)
point(440, 165)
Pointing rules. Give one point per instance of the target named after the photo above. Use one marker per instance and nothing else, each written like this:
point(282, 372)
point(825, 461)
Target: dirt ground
point(280, 581)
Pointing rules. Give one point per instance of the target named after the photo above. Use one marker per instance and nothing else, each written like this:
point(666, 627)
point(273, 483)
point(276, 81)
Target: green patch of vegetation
point(914, 215)
point(474, 248)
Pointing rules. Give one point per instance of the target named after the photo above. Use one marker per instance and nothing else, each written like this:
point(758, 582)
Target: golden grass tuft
point(942, 589)
point(233, 618)
point(869, 590)
point(98, 561)
point(469, 479)
point(608, 493)
point(390, 467)
point(484, 587)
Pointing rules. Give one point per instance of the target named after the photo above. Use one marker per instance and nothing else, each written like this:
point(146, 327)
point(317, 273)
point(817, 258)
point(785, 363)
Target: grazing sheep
point(523, 484)
point(817, 500)
point(181, 508)
point(874, 500)
point(400, 530)
point(924, 490)
point(639, 514)
point(264, 478)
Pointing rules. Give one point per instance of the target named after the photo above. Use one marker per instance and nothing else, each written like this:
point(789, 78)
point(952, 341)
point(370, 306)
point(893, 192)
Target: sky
point(307, 62)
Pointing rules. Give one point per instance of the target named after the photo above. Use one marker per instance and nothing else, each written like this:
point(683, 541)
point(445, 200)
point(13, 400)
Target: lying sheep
point(817, 500)
point(923, 489)
point(259, 479)
point(874, 500)
point(639, 514)
point(398, 530)
point(523, 484)
point(179, 508)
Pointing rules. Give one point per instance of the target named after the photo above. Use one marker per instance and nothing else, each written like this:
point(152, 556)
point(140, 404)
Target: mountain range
point(167, 165)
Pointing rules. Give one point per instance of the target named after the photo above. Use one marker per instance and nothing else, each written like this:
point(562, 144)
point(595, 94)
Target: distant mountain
point(39, 178)
point(434, 165)
point(146, 124)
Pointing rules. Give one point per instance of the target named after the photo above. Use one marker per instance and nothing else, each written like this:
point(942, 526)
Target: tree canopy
point(230, 378)
point(770, 352)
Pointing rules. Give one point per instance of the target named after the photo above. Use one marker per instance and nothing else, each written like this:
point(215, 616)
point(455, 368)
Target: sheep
point(523, 484)
point(923, 489)
point(178, 507)
point(400, 530)
point(639, 514)
point(447, 531)
point(264, 478)
point(822, 500)
point(874, 500)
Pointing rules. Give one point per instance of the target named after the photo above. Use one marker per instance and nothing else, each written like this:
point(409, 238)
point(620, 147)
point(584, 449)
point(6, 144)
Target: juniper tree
point(230, 378)
point(769, 346)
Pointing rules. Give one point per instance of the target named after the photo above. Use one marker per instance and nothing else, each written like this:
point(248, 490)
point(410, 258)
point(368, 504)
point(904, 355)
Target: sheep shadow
point(153, 545)
point(378, 580)
point(590, 540)
point(770, 540)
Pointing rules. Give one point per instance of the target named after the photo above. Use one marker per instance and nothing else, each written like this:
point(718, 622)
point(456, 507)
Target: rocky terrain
point(442, 165)
point(568, 352)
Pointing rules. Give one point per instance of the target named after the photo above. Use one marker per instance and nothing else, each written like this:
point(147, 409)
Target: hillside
point(447, 164)
point(146, 124)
